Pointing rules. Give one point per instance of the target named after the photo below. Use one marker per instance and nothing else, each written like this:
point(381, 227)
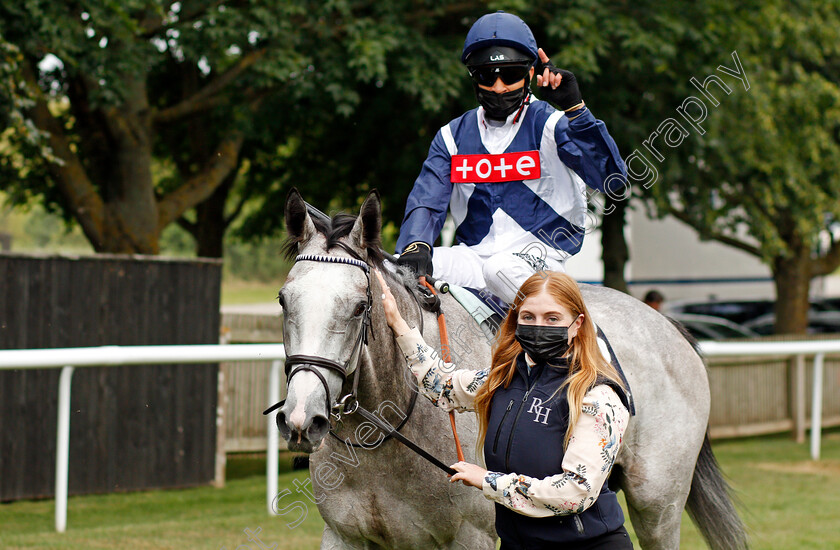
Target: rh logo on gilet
point(540, 412)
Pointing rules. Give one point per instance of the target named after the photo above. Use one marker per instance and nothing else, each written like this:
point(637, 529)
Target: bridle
point(349, 404)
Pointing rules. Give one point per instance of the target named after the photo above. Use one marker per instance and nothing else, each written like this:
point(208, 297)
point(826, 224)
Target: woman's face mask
point(543, 343)
point(543, 327)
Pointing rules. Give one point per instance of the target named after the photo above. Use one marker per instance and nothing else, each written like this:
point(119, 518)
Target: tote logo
point(495, 168)
point(541, 413)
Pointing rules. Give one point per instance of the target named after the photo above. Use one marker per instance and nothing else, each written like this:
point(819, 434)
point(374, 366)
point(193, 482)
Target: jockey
point(512, 171)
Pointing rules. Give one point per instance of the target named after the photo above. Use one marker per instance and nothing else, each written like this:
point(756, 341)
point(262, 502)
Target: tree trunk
point(210, 222)
point(122, 174)
point(792, 277)
point(132, 220)
point(614, 247)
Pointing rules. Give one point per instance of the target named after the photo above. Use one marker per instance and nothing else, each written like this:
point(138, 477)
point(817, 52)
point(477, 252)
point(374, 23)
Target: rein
point(444, 350)
point(349, 404)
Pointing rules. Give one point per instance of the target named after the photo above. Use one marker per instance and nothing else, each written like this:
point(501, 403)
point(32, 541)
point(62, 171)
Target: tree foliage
point(117, 87)
point(768, 163)
point(130, 116)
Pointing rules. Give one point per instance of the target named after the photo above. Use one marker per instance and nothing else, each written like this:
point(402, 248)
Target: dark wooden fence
point(130, 427)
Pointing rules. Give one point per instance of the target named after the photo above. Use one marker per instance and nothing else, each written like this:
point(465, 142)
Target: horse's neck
point(384, 375)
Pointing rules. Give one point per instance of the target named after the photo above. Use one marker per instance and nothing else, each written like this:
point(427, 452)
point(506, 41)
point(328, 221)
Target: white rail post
point(271, 458)
point(800, 393)
point(816, 406)
point(62, 449)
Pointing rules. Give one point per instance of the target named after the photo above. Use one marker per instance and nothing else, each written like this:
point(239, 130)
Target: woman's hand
point(392, 312)
point(470, 474)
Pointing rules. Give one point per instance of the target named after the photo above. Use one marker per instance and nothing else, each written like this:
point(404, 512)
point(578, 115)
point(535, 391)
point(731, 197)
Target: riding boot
point(490, 326)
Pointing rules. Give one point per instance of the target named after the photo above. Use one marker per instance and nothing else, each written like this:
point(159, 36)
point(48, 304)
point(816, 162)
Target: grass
point(199, 518)
point(788, 503)
point(236, 292)
point(787, 500)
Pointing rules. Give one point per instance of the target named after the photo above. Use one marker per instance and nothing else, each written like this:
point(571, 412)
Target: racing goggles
point(485, 75)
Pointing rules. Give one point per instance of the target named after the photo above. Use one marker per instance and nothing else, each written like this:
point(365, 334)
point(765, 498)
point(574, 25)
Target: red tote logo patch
point(495, 168)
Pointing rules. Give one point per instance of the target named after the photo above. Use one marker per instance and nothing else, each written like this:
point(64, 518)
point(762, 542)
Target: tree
point(634, 61)
point(94, 101)
point(125, 80)
point(621, 54)
point(769, 161)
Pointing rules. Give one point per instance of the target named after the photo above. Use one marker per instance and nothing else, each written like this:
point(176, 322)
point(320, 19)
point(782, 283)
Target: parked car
point(736, 311)
point(819, 322)
point(827, 304)
point(709, 327)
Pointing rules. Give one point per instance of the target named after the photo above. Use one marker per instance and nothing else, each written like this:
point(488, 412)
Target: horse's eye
point(359, 309)
point(281, 301)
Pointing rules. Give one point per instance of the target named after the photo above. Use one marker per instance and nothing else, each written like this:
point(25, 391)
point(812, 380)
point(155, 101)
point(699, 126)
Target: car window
point(729, 332)
point(737, 312)
point(700, 331)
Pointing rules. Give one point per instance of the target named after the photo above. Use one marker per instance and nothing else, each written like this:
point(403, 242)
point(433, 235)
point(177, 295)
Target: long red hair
point(586, 364)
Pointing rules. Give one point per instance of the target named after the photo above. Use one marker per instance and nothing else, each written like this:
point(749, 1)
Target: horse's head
point(325, 305)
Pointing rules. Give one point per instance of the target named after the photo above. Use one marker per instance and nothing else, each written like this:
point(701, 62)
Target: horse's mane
point(335, 229)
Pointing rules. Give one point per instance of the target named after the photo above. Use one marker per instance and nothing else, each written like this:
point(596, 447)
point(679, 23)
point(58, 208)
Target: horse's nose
point(297, 420)
point(318, 428)
point(297, 427)
point(283, 425)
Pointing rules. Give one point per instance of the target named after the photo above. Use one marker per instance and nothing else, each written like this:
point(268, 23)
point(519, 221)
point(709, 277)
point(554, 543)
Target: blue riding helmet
point(500, 29)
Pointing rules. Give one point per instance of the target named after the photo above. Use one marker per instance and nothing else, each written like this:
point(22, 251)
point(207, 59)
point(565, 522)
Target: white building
point(669, 256)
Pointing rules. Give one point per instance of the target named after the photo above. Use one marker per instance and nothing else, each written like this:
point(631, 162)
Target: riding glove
point(418, 257)
point(564, 96)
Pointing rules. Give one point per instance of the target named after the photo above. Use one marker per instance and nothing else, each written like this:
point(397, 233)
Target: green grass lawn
point(788, 502)
point(249, 292)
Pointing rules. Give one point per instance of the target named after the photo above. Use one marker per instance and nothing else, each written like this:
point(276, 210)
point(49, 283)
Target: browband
point(332, 260)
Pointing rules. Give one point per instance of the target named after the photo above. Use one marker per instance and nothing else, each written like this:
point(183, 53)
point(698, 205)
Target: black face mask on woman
point(543, 343)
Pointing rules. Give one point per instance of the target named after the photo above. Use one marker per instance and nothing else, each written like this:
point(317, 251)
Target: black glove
point(564, 96)
point(418, 257)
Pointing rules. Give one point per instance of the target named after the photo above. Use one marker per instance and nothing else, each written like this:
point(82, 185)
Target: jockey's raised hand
point(392, 312)
point(557, 86)
point(418, 257)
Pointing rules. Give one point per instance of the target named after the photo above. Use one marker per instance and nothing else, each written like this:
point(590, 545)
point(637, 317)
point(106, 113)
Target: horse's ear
point(298, 223)
point(367, 230)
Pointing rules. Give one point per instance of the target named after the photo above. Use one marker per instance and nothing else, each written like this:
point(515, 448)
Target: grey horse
point(376, 493)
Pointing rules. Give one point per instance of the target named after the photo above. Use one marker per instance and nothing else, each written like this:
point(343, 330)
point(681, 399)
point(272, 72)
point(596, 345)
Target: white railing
point(69, 358)
point(817, 348)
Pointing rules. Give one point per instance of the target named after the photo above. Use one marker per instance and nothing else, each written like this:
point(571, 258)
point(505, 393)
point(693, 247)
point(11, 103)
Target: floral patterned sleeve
point(440, 382)
point(587, 462)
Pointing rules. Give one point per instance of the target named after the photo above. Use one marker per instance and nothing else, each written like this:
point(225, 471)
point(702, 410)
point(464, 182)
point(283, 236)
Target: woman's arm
point(444, 386)
point(587, 462)
point(438, 380)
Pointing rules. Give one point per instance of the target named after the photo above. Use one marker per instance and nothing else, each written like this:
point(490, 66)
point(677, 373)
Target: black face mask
point(500, 106)
point(543, 343)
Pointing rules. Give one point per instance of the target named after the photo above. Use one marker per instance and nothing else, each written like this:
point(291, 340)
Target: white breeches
point(502, 274)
